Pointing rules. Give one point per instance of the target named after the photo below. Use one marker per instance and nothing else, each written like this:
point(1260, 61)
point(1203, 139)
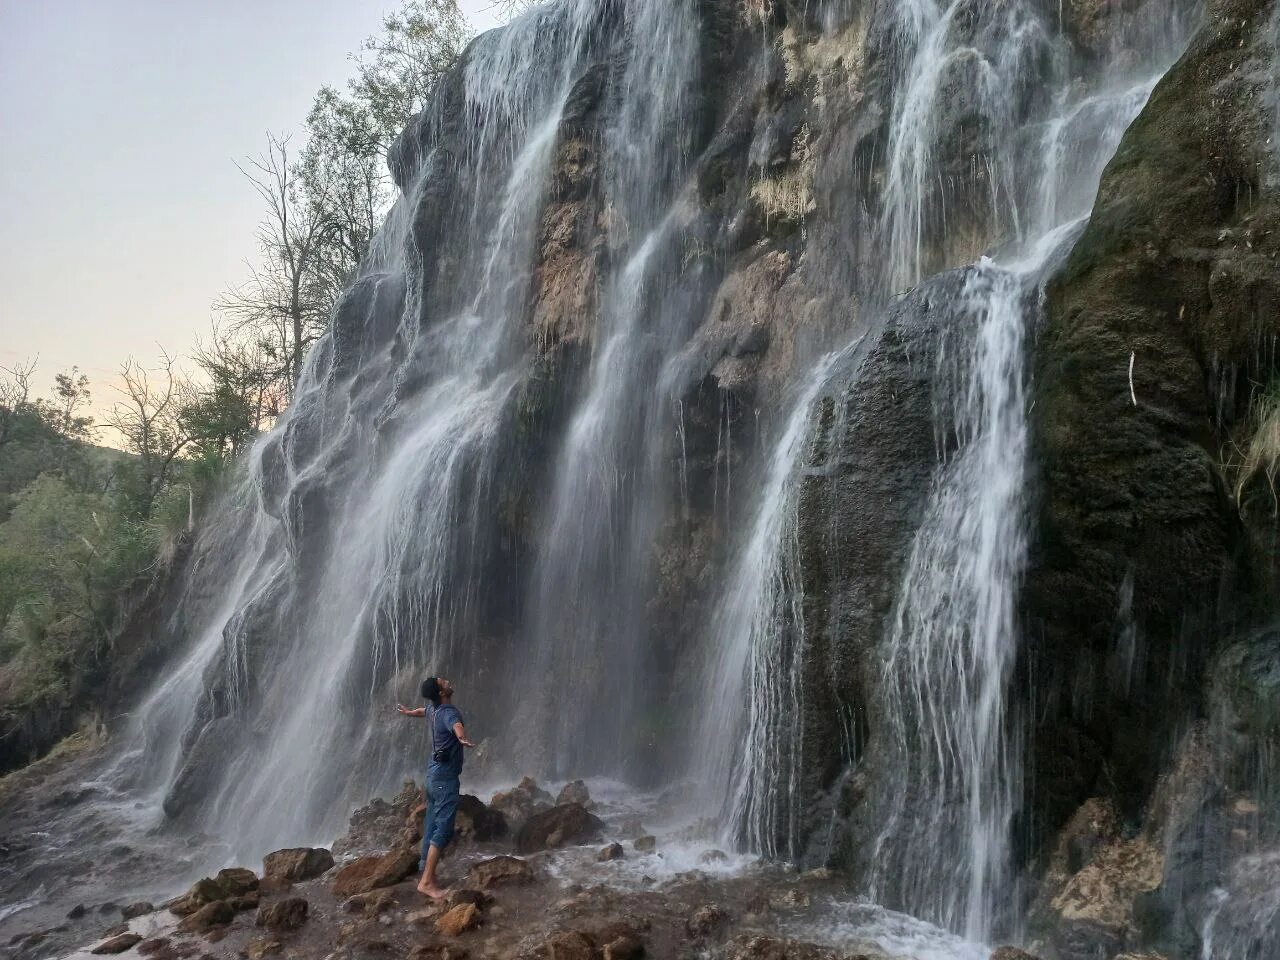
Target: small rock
point(148, 947)
point(246, 901)
point(625, 947)
point(370, 904)
point(574, 792)
point(795, 898)
point(115, 930)
point(262, 947)
point(458, 920)
point(1011, 953)
point(109, 907)
point(817, 875)
point(270, 886)
point(706, 920)
point(202, 892)
point(463, 895)
point(613, 851)
point(237, 880)
point(499, 871)
point(284, 915)
point(76, 912)
point(118, 944)
point(297, 863)
point(216, 914)
point(713, 856)
point(646, 844)
point(569, 945)
point(139, 909)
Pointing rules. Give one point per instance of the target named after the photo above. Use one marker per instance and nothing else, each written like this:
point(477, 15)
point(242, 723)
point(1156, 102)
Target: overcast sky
point(122, 215)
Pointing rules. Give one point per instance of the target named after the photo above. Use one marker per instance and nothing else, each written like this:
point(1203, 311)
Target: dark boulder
point(565, 825)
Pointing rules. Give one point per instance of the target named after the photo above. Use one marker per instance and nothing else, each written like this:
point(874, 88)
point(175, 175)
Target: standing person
point(448, 737)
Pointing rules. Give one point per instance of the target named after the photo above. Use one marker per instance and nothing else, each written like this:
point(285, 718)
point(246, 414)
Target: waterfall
point(947, 775)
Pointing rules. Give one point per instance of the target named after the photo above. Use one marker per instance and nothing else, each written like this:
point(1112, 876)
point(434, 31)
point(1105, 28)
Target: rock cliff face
point(531, 450)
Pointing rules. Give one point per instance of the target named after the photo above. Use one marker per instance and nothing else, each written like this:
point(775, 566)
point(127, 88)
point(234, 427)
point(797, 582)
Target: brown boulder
point(574, 792)
point(237, 880)
point(204, 891)
point(476, 822)
point(139, 909)
point(270, 886)
point(520, 802)
point(283, 915)
point(371, 873)
point(499, 871)
point(245, 901)
point(758, 947)
point(297, 863)
point(118, 944)
point(569, 945)
point(458, 920)
point(262, 947)
point(706, 920)
point(156, 945)
point(1012, 953)
point(613, 851)
point(625, 947)
point(216, 914)
point(566, 825)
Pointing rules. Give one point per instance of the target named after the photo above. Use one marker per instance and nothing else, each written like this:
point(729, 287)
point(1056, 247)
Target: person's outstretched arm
point(406, 712)
point(460, 732)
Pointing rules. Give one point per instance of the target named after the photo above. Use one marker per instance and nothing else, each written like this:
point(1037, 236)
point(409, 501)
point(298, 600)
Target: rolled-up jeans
point(437, 823)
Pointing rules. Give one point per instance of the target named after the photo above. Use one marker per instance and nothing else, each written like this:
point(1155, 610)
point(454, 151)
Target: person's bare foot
point(434, 891)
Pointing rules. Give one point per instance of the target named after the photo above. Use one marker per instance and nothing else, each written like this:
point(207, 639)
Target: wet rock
point(458, 920)
point(381, 824)
point(118, 944)
point(245, 901)
point(157, 945)
point(1095, 909)
point(569, 945)
point(713, 856)
point(216, 914)
point(115, 930)
point(758, 947)
point(499, 871)
point(462, 895)
point(371, 904)
point(624, 947)
point(646, 844)
point(565, 825)
point(370, 873)
point(795, 898)
point(204, 891)
point(438, 951)
point(288, 914)
point(574, 792)
point(271, 886)
point(139, 909)
point(76, 912)
point(520, 802)
point(237, 880)
point(297, 863)
point(1012, 953)
point(477, 822)
point(262, 947)
point(613, 851)
point(707, 920)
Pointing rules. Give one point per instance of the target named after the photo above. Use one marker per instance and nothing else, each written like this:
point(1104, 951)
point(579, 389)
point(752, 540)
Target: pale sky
point(122, 214)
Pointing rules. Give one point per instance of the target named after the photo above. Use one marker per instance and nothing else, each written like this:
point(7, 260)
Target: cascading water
point(947, 757)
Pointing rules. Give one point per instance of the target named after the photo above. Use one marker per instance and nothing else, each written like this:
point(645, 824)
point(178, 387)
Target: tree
point(285, 303)
point(62, 411)
point(15, 397)
point(149, 420)
point(343, 169)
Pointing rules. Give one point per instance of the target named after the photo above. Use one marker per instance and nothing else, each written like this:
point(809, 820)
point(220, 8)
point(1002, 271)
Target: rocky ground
point(532, 876)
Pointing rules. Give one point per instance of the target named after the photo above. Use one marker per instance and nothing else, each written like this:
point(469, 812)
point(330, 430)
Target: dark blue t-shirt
point(444, 743)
